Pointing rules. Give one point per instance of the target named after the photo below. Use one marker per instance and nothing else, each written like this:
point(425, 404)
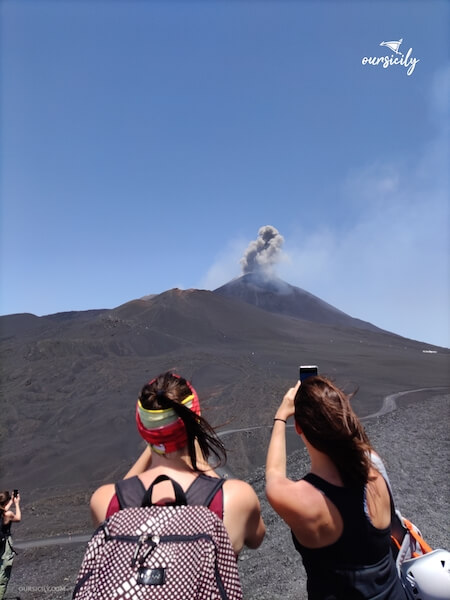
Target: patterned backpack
point(172, 552)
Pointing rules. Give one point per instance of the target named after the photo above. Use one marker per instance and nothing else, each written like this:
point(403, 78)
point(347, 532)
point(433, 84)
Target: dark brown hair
point(330, 425)
point(168, 391)
point(5, 497)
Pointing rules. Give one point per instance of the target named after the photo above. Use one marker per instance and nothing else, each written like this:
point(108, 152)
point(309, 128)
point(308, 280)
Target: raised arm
point(282, 493)
point(276, 454)
point(16, 516)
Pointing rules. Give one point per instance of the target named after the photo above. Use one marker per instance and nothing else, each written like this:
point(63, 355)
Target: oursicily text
point(406, 61)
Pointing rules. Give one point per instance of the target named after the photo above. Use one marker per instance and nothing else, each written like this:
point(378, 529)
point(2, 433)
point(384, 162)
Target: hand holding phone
point(15, 493)
point(306, 371)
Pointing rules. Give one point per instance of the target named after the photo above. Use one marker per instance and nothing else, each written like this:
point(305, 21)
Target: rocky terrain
point(69, 383)
point(413, 441)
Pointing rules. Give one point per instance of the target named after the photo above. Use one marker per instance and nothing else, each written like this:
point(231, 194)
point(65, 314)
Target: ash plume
point(263, 253)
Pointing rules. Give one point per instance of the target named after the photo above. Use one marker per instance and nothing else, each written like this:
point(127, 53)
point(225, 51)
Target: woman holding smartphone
point(340, 512)
point(7, 551)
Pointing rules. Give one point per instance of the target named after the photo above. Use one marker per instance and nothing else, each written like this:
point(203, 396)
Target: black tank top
point(359, 565)
point(6, 528)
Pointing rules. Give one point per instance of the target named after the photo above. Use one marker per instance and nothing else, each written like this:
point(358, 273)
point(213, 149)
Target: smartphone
point(306, 371)
point(15, 493)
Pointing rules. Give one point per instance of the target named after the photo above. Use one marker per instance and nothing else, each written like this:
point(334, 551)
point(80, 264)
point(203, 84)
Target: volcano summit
point(277, 296)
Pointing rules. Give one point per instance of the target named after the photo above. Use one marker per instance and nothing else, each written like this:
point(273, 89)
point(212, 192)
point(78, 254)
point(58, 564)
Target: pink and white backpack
point(160, 553)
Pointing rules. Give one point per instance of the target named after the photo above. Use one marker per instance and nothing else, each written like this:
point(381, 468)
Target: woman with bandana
point(180, 442)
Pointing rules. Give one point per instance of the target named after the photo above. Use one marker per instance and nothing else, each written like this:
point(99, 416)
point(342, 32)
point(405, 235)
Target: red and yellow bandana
point(162, 428)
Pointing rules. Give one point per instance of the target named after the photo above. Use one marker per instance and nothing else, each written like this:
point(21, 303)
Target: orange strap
point(396, 542)
point(419, 539)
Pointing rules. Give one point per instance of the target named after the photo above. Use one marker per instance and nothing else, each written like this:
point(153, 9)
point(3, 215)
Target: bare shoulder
point(279, 488)
point(294, 499)
point(236, 488)
point(377, 478)
point(8, 516)
point(100, 500)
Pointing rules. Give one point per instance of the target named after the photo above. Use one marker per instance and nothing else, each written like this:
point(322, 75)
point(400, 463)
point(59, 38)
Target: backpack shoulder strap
point(203, 489)
point(130, 492)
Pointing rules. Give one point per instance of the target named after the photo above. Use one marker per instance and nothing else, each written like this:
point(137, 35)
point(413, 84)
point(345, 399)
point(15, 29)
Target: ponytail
point(197, 428)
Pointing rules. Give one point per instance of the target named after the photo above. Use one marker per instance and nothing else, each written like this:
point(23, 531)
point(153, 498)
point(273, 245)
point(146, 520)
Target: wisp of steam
point(263, 253)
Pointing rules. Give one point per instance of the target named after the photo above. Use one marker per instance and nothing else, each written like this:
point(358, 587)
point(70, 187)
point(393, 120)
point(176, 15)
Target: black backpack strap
point(180, 497)
point(130, 492)
point(203, 489)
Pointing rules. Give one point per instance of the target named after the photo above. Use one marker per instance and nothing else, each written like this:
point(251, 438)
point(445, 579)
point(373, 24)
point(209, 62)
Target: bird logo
point(394, 46)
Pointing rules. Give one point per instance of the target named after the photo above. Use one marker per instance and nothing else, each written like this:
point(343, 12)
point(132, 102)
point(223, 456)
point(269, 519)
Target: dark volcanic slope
point(418, 473)
point(277, 296)
point(69, 382)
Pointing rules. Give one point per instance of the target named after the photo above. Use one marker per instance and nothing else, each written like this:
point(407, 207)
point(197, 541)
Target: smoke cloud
point(263, 253)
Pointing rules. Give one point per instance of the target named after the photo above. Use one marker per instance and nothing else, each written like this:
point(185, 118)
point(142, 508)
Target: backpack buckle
point(153, 541)
point(141, 541)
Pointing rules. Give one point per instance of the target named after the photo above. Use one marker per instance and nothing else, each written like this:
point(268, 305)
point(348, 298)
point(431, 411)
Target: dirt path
point(389, 404)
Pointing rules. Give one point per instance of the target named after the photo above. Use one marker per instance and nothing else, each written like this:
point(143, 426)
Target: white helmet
point(428, 576)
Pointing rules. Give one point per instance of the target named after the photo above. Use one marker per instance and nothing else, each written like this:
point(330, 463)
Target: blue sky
point(145, 143)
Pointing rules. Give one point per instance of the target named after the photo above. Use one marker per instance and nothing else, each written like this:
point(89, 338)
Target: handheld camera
point(306, 371)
